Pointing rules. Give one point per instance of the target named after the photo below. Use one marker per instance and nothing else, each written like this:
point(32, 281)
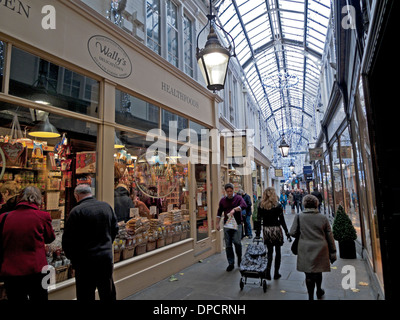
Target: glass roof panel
point(280, 53)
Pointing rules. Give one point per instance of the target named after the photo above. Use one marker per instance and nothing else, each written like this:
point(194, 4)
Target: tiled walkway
point(208, 280)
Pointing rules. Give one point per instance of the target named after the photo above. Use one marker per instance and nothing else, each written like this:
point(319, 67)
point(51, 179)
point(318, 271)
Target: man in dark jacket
point(319, 197)
point(122, 202)
point(231, 205)
point(87, 241)
point(298, 198)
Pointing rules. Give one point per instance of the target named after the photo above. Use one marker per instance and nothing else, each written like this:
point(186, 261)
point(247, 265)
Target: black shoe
point(230, 267)
point(320, 293)
point(277, 276)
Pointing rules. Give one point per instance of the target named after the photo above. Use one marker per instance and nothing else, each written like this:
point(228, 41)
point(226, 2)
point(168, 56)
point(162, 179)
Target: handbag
point(231, 223)
point(295, 243)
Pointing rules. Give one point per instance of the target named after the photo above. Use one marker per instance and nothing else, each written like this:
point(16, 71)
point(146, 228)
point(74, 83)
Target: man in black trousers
point(87, 241)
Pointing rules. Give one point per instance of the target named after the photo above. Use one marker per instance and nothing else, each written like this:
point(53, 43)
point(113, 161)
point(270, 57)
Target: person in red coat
point(25, 232)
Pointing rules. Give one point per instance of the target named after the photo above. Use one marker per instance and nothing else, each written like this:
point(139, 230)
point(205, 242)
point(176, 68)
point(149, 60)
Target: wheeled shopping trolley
point(254, 264)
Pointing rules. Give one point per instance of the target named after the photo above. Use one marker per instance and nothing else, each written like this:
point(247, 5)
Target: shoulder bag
point(295, 243)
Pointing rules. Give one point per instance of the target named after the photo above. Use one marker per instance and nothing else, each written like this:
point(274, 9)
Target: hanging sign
point(316, 154)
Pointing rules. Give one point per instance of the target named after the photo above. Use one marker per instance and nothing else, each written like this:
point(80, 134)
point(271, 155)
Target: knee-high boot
point(277, 262)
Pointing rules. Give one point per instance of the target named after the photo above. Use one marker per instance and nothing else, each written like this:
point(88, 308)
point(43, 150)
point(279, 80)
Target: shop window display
point(157, 184)
point(201, 201)
point(41, 81)
point(54, 165)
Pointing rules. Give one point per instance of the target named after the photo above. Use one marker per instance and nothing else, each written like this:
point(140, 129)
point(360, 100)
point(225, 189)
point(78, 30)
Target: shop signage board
point(316, 154)
point(109, 56)
point(96, 47)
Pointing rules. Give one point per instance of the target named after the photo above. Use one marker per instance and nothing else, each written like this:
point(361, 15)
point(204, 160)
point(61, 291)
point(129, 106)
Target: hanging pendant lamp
point(44, 129)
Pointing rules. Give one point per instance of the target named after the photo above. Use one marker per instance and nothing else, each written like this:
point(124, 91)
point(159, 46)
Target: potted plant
point(344, 232)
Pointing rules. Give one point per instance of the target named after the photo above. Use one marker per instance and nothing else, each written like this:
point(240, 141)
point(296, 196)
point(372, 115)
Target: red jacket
point(26, 230)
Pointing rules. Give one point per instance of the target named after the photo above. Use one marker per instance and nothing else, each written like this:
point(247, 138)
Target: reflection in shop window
point(153, 25)
point(188, 45)
point(135, 113)
point(172, 120)
point(350, 184)
point(54, 165)
point(2, 57)
point(44, 82)
point(172, 32)
point(158, 187)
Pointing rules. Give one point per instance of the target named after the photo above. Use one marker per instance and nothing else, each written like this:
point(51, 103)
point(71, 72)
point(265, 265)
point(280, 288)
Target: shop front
point(85, 103)
point(345, 178)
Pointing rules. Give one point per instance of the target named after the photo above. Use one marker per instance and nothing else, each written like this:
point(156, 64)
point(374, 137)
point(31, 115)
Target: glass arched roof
point(279, 44)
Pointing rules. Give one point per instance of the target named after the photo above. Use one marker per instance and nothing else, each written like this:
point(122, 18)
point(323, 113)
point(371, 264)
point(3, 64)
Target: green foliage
point(343, 228)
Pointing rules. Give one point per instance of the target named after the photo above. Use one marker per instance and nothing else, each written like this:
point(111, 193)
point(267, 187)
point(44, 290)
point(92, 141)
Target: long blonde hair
point(269, 199)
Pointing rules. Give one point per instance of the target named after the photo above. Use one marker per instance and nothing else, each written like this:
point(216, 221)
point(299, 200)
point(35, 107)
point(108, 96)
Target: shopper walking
point(231, 206)
point(297, 200)
point(246, 215)
point(318, 195)
point(283, 200)
point(270, 216)
point(26, 230)
point(316, 246)
point(291, 201)
point(87, 241)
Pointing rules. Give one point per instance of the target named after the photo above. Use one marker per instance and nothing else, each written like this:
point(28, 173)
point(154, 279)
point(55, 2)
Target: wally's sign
point(109, 56)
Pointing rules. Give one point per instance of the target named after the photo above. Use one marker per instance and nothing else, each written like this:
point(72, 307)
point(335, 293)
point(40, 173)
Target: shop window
point(158, 186)
point(153, 25)
point(135, 113)
point(172, 33)
point(328, 193)
point(200, 171)
point(350, 183)
point(337, 177)
point(2, 60)
point(188, 45)
point(202, 134)
point(54, 165)
point(169, 119)
point(44, 82)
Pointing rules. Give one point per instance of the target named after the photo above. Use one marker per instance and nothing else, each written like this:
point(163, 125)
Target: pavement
point(209, 280)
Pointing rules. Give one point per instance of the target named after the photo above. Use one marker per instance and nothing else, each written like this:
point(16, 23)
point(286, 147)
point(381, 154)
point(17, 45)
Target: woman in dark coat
point(25, 232)
point(270, 215)
point(316, 245)
point(122, 202)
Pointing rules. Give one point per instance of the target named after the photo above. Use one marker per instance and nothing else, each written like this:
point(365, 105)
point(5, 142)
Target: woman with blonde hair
point(270, 216)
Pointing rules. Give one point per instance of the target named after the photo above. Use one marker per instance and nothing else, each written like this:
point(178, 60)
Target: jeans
point(233, 238)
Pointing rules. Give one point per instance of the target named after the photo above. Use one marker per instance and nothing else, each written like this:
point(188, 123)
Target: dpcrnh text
point(206, 309)
point(221, 309)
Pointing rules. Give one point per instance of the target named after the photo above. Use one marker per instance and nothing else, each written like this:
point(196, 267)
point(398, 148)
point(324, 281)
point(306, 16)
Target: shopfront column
point(105, 184)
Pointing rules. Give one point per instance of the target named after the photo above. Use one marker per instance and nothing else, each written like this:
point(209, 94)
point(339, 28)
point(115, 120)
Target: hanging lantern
point(213, 60)
point(284, 147)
